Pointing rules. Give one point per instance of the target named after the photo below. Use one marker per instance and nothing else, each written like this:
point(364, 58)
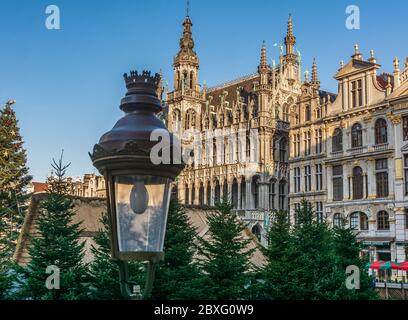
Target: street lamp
point(138, 189)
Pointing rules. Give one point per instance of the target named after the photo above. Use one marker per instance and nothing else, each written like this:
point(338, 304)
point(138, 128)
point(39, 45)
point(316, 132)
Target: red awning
point(387, 265)
point(404, 266)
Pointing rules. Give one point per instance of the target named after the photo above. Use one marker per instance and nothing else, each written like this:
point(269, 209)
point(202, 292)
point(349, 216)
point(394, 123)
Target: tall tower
point(186, 62)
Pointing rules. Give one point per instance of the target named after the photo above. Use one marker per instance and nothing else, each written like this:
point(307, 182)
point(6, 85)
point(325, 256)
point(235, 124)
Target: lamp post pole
point(138, 181)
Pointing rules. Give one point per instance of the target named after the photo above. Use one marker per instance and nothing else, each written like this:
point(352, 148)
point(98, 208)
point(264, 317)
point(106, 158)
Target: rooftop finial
point(188, 8)
point(315, 79)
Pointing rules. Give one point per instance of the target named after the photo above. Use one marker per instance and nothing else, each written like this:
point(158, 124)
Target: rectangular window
point(318, 141)
point(307, 144)
point(319, 177)
point(381, 175)
point(319, 212)
point(308, 179)
point(296, 180)
point(360, 93)
point(337, 183)
point(357, 93)
point(298, 145)
point(272, 195)
point(405, 128)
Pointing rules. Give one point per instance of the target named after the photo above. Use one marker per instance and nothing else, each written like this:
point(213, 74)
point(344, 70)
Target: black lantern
point(138, 185)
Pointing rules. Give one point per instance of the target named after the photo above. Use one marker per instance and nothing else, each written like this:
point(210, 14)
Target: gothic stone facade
point(256, 111)
point(345, 153)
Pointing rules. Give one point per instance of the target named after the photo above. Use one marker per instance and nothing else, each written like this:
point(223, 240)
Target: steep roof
point(231, 87)
point(89, 211)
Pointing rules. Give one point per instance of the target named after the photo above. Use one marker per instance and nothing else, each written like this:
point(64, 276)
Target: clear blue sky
point(68, 83)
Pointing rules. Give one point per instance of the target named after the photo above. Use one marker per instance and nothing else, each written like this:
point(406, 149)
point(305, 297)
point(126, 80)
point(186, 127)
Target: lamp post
point(138, 189)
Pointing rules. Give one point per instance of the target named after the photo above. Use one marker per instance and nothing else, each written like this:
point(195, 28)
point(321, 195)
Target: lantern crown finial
point(136, 79)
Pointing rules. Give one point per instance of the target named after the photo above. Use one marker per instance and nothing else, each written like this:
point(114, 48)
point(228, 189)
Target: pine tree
point(104, 273)
point(309, 261)
point(56, 244)
point(14, 179)
point(348, 249)
point(312, 268)
point(277, 253)
point(226, 255)
point(178, 276)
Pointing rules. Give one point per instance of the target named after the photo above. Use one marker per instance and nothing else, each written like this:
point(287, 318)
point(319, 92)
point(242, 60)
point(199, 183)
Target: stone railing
point(380, 147)
point(336, 154)
point(356, 150)
point(186, 92)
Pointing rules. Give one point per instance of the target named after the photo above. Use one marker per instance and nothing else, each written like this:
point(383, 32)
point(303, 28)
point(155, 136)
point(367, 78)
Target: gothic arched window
point(359, 221)
point(380, 131)
point(283, 145)
point(356, 136)
point(337, 221)
point(176, 120)
point(358, 183)
point(308, 113)
point(282, 194)
point(337, 141)
point(383, 222)
point(190, 119)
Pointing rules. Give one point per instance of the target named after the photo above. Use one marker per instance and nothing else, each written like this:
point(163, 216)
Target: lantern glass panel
point(141, 212)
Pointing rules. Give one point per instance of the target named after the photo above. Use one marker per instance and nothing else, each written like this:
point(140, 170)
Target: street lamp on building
point(138, 189)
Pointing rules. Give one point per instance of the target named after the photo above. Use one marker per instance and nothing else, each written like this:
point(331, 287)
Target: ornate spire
point(264, 64)
point(315, 79)
point(186, 52)
point(290, 39)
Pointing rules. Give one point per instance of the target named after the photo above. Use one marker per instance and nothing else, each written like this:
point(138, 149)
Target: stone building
point(348, 154)
point(239, 131)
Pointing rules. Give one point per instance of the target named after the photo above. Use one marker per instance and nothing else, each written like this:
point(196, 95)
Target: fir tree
point(275, 273)
point(104, 272)
point(178, 277)
point(312, 267)
point(348, 249)
point(14, 179)
point(226, 255)
point(56, 244)
point(309, 261)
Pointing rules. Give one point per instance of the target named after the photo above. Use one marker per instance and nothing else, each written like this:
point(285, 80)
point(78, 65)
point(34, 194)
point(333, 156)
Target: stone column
point(181, 193)
point(197, 194)
point(400, 232)
point(212, 195)
point(190, 196)
point(222, 190)
point(349, 188)
point(313, 177)
point(205, 194)
point(248, 201)
point(372, 184)
point(329, 179)
point(239, 195)
point(229, 190)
